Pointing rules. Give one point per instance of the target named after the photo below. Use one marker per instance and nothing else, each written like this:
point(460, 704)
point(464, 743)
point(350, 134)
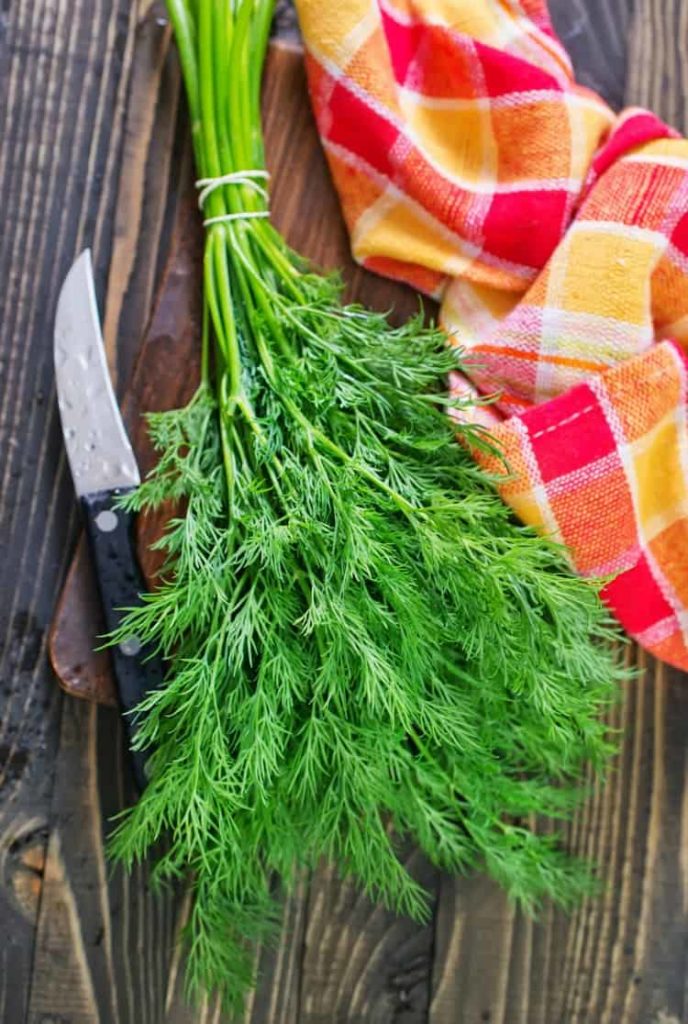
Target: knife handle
point(137, 670)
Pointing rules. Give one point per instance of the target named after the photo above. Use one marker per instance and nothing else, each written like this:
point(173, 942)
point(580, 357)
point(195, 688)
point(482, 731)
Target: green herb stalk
point(362, 645)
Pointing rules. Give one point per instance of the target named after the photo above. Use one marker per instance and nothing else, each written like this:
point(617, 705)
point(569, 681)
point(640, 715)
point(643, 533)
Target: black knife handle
point(137, 671)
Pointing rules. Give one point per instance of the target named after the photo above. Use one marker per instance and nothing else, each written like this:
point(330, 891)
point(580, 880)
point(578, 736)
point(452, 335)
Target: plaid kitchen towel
point(555, 235)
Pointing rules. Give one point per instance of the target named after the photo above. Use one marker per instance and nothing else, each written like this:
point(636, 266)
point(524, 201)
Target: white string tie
point(251, 179)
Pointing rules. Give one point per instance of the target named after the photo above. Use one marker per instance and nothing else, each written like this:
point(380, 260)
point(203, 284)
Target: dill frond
point(363, 647)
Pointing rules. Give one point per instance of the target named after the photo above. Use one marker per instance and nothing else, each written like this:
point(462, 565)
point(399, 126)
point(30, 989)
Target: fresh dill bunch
point(363, 647)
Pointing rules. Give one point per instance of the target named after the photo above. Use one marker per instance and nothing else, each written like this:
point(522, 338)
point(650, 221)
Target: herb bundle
point(362, 645)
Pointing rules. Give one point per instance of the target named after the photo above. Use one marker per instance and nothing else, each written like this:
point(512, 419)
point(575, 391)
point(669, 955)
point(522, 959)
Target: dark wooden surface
point(92, 148)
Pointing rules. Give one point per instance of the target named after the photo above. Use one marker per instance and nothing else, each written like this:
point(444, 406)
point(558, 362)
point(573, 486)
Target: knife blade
point(103, 468)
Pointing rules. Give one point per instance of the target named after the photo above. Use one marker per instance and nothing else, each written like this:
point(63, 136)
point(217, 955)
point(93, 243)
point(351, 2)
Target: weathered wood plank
point(595, 33)
point(100, 931)
point(153, 168)
point(361, 962)
point(64, 72)
point(286, 25)
point(105, 942)
point(620, 959)
point(277, 997)
point(658, 59)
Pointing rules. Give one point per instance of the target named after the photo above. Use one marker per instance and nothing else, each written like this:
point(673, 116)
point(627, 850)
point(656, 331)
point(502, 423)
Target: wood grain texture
point(277, 999)
point(104, 939)
point(595, 33)
point(104, 942)
point(286, 25)
point(621, 958)
point(65, 70)
point(92, 148)
point(152, 167)
point(361, 962)
point(658, 59)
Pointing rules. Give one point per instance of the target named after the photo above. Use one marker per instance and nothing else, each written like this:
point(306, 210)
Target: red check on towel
point(555, 235)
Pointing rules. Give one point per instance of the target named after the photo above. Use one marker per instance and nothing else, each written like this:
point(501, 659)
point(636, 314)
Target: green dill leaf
point(364, 649)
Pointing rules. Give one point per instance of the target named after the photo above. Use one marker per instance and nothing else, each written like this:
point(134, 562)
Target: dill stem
point(210, 165)
point(185, 36)
point(286, 272)
point(211, 298)
point(222, 281)
point(222, 33)
point(250, 296)
point(262, 293)
point(205, 343)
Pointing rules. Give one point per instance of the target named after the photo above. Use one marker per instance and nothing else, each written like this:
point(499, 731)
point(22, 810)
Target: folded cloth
point(555, 236)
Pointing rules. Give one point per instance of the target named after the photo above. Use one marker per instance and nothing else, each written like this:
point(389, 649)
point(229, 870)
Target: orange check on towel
point(555, 235)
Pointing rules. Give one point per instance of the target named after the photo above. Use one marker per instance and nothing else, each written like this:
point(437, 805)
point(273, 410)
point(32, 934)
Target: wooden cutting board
point(306, 210)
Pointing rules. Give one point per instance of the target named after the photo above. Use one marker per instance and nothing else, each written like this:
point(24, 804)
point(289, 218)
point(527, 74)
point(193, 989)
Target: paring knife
point(103, 468)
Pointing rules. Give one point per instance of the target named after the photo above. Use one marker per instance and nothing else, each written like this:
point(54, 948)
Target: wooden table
point(92, 144)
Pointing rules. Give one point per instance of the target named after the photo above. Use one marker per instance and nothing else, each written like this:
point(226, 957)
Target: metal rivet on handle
point(106, 521)
point(131, 646)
